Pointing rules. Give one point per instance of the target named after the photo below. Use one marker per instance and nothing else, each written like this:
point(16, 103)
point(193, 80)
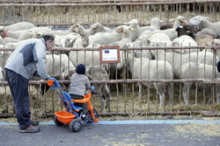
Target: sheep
point(85, 33)
point(177, 60)
point(155, 24)
point(141, 41)
point(171, 32)
point(98, 73)
point(97, 27)
point(185, 30)
point(205, 23)
point(59, 66)
point(127, 33)
point(104, 38)
point(1, 74)
point(27, 33)
point(160, 39)
point(185, 41)
point(216, 42)
point(66, 40)
point(20, 26)
point(192, 70)
point(151, 69)
point(205, 37)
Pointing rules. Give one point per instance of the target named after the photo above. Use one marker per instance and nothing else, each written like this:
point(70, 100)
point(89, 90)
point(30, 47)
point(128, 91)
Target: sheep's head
point(182, 20)
point(96, 27)
point(37, 34)
point(78, 29)
point(155, 21)
point(196, 21)
point(133, 23)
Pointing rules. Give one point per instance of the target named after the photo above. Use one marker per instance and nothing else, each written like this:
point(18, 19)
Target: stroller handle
point(53, 83)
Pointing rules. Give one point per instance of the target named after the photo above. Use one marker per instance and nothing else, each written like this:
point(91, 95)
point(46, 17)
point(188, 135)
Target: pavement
point(165, 132)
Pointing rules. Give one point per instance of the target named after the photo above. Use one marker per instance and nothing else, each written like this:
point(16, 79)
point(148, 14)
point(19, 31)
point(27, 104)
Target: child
point(78, 86)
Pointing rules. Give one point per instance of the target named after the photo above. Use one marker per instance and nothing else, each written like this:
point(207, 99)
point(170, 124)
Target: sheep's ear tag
point(131, 29)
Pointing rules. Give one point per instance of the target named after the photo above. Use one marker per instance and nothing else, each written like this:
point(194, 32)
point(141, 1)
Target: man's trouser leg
point(19, 89)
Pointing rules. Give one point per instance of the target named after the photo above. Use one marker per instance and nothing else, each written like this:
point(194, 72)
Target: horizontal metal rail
point(105, 2)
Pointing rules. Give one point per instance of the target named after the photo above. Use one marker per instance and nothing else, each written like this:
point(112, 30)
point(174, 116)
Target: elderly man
point(28, 59)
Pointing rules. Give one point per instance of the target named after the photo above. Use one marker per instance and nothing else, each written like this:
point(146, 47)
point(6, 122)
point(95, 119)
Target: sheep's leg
point(186, 88)
point(160, 89)
point(99, 93)
point(139, 93)
point(217, 93)
point(108, 96)
point(170, 92)
point(108, 92)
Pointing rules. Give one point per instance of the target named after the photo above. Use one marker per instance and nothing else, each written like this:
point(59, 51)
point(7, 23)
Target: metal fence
point(125, 99)
point(125, 96)
point(109, 13)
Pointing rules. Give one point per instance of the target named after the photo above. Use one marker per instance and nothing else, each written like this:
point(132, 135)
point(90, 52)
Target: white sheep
point(126, 33)
point(177, 60)
point(185, 41)
point(59, 66)
point(205, 37)
point(194, 70)
point(155, 24)
point(104, 38)
point(28, 33)
point(19, 26)
point(152, 70)
point(171, 32)
point(205, 23)
point(1, 74)
point(159, 39)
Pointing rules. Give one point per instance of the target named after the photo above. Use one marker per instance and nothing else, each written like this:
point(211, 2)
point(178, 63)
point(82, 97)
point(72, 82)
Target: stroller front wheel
point(75, 125)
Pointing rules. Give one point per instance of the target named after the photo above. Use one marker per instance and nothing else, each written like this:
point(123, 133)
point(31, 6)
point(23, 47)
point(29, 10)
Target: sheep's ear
point(126, 23)
point(172, 19)
point(162, 21)
point(119, 29)
point(130, 28)
point(203, 18)
point(148, 23)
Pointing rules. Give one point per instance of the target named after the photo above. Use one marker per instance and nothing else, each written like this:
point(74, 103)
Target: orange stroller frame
point(72, 116)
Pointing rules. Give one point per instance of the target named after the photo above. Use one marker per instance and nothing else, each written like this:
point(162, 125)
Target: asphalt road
point(118, 133)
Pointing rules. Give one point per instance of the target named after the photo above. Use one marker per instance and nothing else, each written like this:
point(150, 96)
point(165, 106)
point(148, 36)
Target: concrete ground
point(163, 132)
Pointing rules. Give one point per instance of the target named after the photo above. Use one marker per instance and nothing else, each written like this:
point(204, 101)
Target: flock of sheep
point(142, 64)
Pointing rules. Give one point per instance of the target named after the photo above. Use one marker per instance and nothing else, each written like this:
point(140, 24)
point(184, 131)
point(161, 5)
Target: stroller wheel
point(89, 118)
point(75, 125)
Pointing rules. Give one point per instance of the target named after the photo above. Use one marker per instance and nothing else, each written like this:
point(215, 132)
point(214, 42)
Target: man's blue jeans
point(19, 89)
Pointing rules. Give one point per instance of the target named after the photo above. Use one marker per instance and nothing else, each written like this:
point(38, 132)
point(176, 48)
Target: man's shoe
point(30, 129)
point(34, 122)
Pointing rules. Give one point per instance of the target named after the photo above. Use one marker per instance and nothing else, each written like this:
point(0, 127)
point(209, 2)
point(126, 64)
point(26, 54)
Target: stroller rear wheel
point(75, 125)
point(89, 117)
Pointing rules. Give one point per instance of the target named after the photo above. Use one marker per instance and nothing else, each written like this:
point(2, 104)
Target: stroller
point(72, 114)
